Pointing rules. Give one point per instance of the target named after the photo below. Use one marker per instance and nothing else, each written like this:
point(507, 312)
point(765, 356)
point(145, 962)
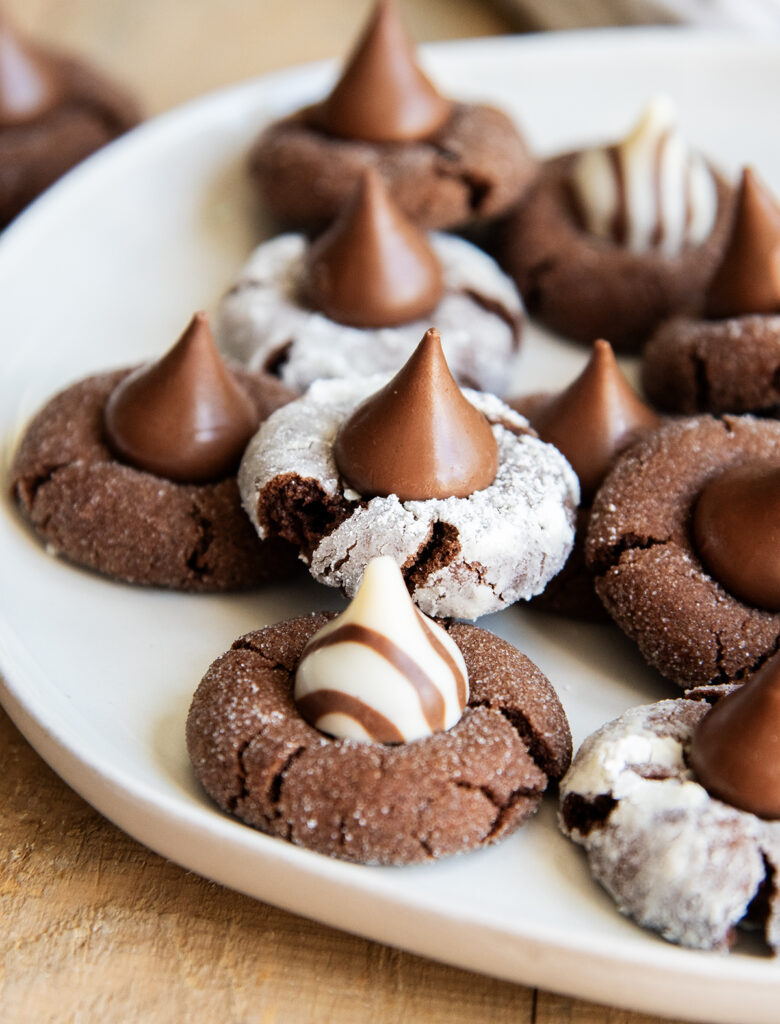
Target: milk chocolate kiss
point(373, 267)
point(418, 437)
point(29, 83)
point(748, 278)
point(597, 416)
point(735, 750)
point(736, 525)
point(382, 95)
point(185, 417)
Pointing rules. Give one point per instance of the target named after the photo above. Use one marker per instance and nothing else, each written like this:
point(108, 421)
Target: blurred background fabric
point(757, 15)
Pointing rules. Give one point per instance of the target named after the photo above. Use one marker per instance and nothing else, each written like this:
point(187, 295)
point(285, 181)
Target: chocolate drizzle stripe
point(449, 661)
point(316, 705)
point(431, 700)
point(619, 226)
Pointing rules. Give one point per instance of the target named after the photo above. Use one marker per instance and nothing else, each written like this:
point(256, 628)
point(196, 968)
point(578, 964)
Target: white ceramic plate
point(106, 270)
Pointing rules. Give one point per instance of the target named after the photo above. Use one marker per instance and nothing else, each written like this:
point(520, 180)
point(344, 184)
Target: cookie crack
point(277, 783)
point(582, 814)
point(435, 553)
point(759, 911)
point(422, 838)
point(196, 561)
point(480, 571)
point(26, 487)
point(476, 186)
point(429, 851)
point(243, 793)
point(276, 360)
point(503, 807)
point(245, 644)
point(298, 510)
point(724, 677)
point(478, 190)
point(628, 542)
point(509, 805)
point(537, 749)
point(701, 384)
point(341, 562)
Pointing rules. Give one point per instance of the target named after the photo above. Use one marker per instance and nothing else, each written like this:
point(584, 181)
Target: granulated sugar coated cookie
point(444, 740)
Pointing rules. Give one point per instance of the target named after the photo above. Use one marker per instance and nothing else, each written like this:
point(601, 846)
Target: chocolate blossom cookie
point(378, 736)
point(611, 241)
point(54, 112)
point(455, 486)
point(684, 541)
point(132, 473)
point(591, 421)
point(678, 808)
point(728, 358)
point(357, 300)
point(446, 164)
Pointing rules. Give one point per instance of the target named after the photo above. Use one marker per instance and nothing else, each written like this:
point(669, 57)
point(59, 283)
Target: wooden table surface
point(95, 926)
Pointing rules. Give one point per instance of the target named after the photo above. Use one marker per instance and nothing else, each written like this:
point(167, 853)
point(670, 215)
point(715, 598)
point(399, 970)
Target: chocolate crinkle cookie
point(674, 858)
point(649, 571)
point(586, 287)
point(265, 325)
point(370, 802)
point(133, 525)
point(463, 557)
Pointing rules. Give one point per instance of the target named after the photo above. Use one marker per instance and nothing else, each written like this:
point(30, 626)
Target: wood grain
point(98, 928)
point(95, 927)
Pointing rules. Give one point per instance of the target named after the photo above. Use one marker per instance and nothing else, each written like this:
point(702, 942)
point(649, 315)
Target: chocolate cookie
point(733, 365)
point(368, 802)
point(130, 524)
point(591, 421)
point(649, 572)
point(585, 287)
point(76, 112)
point(672, 857)
point(473, 169)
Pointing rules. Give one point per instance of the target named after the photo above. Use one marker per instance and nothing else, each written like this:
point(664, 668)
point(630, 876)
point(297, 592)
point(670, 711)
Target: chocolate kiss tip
point(595, 418)
point(382, 95)
point(29, 85)
point(418, 437)
point(748, 277)
point(736, 525)
point(735, 749)
point(372, 267)
point(184, 417)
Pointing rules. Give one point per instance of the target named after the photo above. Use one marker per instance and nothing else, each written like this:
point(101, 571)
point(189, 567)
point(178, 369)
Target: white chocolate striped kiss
point(649, 191)
point(382, 671)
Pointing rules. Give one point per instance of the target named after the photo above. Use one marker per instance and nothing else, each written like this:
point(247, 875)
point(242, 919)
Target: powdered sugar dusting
point(673, 857)
point(514, 536)
point(261, 318)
